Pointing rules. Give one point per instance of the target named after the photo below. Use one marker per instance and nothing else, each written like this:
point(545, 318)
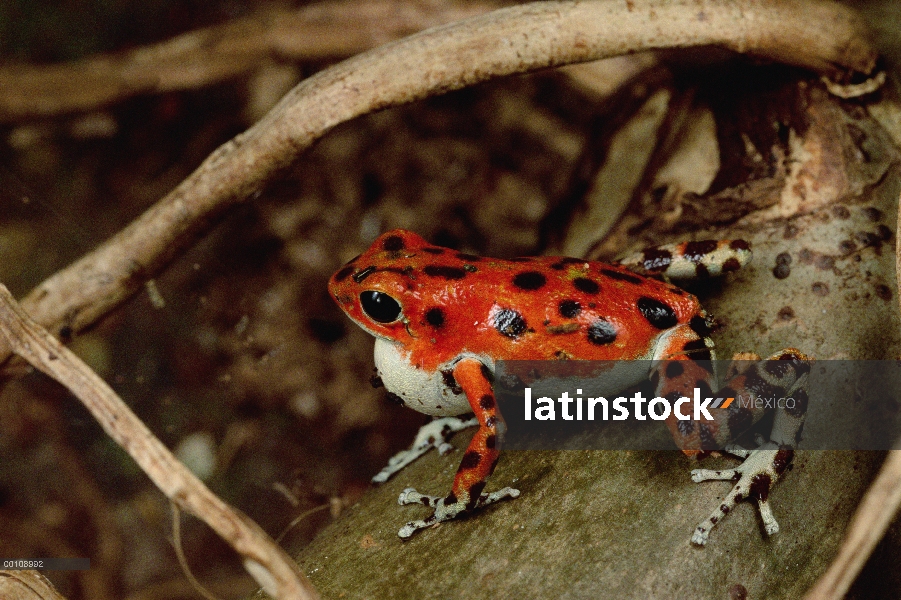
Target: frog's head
point(398, 288)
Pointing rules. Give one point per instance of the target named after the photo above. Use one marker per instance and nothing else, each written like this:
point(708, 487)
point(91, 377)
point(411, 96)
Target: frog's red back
point(439, 303)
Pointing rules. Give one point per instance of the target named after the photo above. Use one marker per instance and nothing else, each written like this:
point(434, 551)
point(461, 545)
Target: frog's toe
point(769, 521)
point(446, 508)
point(740, 452)
point(507, 492)
point(413, 526)
point(699, 475)
point(756, 476)
point(411, 496)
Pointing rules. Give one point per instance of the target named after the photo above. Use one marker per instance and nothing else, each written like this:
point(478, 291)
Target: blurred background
point(236, 356)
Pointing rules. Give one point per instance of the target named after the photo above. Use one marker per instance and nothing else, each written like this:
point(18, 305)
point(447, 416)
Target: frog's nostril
point(380, 306)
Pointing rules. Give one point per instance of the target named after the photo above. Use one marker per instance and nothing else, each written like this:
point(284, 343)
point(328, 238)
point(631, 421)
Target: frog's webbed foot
point(434, 434)
point(446, 508)
point(756, 476)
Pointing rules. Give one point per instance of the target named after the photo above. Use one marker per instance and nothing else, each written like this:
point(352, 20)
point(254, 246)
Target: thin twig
point(872, 518)
point(182, 559)
point(299, 519)
point(824, 36)
point(272, 568)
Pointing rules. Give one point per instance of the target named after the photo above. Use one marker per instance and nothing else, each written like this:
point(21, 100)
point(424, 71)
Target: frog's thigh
point(781, 377)
point(685, 364)
point(780, 382)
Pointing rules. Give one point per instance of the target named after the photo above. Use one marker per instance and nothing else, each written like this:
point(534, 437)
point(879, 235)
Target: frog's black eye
point(380, 307)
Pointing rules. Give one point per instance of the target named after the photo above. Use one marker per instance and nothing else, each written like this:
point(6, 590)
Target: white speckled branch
point(271, 566)
point(820, 35)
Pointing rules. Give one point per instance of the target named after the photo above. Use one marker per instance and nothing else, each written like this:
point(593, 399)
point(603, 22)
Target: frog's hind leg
point(478, 462)
point(690, 260)
point(684, 356)
point(434, 434)
point(780, 384)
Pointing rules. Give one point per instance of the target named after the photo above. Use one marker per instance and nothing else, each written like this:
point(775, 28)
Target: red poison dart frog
point(441, 319)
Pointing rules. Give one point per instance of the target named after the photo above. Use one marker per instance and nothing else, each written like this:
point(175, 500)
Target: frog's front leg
point(782, 375)
point(478, 462)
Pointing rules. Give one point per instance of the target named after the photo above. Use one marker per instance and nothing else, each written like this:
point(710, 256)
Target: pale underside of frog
point(442, 318)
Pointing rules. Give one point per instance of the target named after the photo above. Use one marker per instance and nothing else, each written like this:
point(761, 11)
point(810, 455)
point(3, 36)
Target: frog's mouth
point(406, 323)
